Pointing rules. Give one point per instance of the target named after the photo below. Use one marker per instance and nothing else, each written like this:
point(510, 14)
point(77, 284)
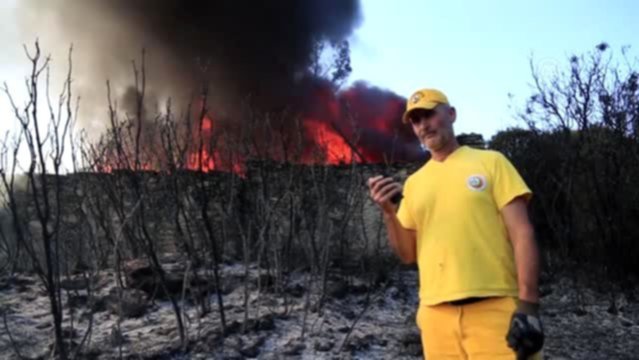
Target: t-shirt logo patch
point(477, 182)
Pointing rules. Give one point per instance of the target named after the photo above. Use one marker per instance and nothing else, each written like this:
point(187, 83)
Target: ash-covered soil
point(355, 320)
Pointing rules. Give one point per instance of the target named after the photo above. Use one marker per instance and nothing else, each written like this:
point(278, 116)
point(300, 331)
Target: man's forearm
point(527, 260)
point(401, 240)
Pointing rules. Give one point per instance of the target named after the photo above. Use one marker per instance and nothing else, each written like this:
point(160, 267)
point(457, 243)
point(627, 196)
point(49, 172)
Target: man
point(464, 220)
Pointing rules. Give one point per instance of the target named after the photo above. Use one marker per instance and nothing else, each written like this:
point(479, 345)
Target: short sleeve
point(508, 183)
point(404, 213)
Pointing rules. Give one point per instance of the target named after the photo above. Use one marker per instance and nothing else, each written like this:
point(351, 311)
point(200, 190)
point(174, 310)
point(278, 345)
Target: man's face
point(433, 128)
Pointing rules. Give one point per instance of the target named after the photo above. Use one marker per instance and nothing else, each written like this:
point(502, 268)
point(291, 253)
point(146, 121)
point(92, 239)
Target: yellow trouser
point(474, 331)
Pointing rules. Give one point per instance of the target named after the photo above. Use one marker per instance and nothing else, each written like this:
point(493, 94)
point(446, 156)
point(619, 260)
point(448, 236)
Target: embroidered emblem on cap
point(477, 182)
point(416, 97)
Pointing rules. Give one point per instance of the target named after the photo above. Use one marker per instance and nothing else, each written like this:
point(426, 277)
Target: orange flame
point(332, 135)
point(333, 146)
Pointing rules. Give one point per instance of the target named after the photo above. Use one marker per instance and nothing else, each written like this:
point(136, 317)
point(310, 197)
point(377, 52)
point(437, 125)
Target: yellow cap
point(426, 99)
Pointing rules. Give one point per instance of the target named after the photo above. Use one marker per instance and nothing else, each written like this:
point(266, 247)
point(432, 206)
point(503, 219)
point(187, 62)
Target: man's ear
point(452, 112)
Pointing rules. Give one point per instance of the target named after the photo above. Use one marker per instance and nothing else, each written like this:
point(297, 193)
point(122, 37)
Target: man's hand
point(403, 241)
point(382, 189)
point(526, 334)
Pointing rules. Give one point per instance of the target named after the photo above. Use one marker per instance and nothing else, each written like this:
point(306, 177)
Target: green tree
point(580, 154)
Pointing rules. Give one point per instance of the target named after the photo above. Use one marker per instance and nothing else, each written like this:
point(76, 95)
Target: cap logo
point(477, 182)
point(416, 97)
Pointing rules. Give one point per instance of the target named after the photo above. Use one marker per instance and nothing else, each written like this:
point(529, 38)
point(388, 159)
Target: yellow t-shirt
point(463, 248)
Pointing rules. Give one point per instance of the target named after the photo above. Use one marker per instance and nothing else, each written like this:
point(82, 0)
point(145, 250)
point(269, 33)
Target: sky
point(477, 52)
point(13, 67)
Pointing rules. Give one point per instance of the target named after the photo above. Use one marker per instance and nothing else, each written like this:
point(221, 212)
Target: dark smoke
point(380, 132)
point(261, 52)
point(241, 47)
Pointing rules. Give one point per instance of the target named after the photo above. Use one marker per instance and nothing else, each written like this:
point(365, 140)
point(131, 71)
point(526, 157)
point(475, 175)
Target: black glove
point(526, 335)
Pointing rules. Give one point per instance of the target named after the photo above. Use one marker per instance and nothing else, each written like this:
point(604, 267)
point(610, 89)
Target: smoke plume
point(242, 47)
point(263, 50)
